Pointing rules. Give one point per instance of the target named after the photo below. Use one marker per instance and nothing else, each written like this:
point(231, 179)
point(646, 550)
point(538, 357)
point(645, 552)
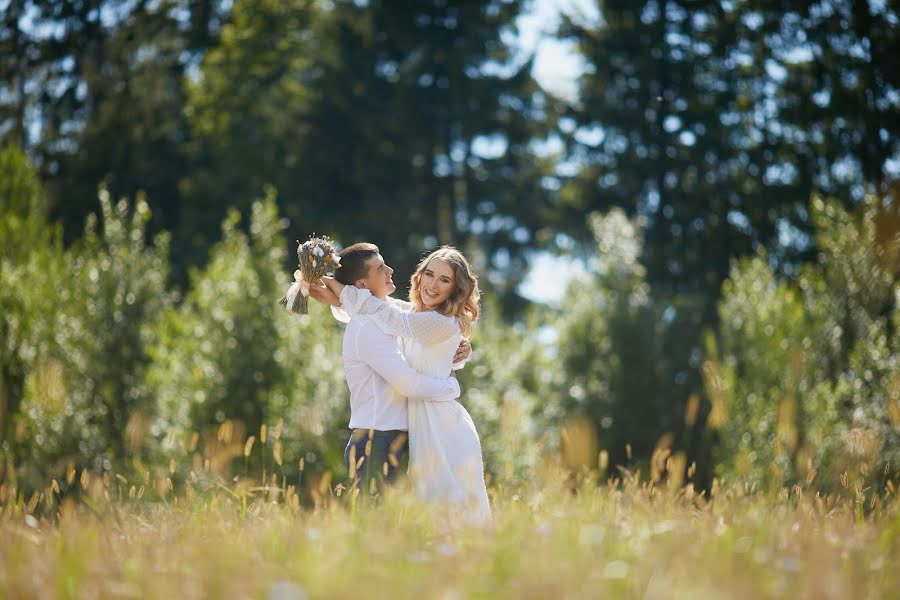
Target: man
point(378, 376)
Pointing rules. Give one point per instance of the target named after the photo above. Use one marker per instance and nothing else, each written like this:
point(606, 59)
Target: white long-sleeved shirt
point(380, 379)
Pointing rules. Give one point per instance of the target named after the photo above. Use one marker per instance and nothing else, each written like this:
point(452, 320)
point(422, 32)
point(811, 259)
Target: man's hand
point(319, 291)
point(462, 352)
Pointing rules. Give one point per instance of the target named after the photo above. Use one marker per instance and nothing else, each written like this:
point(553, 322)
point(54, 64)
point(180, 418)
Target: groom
point(378, 376)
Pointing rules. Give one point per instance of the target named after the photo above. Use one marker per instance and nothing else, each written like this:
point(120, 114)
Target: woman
point(445, 460)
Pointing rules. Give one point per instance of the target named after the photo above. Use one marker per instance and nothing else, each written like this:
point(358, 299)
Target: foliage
point(661, 129)
point(363, 116)
point(701, 130)
point(248, 110)
point(505, 388)
point(624, 354)
point(713, 122)
point(819, 60)
point(757, 395)
point(230, 353)
point(859, 302)
point(31, 267)
point(384, 104)
point(86, 396)
point(806, 380)
point(716, 122)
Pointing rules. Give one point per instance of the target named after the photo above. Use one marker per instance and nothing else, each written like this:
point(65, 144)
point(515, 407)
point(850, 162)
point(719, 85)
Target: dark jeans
point(372, 457)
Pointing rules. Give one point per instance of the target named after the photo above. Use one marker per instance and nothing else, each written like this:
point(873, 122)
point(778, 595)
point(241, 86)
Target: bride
point(445, 461)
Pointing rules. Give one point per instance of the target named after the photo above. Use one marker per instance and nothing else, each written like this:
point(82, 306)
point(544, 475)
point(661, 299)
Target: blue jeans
point(372, 457)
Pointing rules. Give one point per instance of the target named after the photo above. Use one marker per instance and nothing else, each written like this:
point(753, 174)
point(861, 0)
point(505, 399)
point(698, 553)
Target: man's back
point(374, 403)
point(380, 379)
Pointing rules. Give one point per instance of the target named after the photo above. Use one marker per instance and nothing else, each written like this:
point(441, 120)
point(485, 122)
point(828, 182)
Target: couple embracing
point(399, 362)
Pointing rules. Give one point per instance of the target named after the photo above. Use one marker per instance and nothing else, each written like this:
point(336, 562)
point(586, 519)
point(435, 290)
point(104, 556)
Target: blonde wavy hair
point(463, 301)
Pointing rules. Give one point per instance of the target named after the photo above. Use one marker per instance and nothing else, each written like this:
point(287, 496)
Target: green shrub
point(86, 396)
point(230, 354)
point(806, 383)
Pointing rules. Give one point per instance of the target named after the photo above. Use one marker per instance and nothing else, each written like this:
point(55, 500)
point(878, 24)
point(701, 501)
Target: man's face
point(378, 279)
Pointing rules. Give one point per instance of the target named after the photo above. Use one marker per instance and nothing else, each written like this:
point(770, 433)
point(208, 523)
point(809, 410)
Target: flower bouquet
point(318, 257)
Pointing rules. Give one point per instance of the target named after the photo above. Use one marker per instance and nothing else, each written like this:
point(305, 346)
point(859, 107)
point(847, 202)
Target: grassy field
point(626, 538)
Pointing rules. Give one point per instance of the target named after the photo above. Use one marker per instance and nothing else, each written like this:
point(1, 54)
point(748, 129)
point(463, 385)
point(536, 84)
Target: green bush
point(806, 382)
point(230, 354)
point(759, 390)
point(624, 352)
point(31, 268)
point(505, 389)
point(86, 396)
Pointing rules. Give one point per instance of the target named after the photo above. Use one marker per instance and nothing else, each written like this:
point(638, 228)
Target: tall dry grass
point(563, 535)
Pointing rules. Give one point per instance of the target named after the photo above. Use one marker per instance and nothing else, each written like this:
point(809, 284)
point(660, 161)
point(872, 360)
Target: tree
point(664, 128)
point(86, 398)
point(248, 111)
point(805, 382)
point(93, 91)
point(833, 70)
point(716, 122)
point(626, 362)
point(31, 262)
point(16, 62)
point(230, 353)
point(366, 116)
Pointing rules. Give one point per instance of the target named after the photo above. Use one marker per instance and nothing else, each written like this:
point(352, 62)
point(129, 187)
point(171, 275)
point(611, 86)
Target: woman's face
point(436, 283)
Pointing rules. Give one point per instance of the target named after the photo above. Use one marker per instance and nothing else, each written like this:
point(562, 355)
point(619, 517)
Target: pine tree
point(368, 118)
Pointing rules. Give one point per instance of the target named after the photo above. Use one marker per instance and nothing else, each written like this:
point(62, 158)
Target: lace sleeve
point(427, 327)
point(401, 304)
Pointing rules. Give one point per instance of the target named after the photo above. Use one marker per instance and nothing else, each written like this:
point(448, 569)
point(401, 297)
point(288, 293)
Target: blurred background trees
point(726, 174)
point(807, 379)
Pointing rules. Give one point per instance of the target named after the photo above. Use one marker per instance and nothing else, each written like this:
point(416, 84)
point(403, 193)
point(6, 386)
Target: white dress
point(445, 461)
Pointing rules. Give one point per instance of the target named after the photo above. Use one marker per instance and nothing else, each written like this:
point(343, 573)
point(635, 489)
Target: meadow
point(557, 536)
point(121, 477)
point(726, 203)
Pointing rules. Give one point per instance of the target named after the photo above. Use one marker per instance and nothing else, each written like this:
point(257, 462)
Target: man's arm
point(381, 353)
point(321, 293)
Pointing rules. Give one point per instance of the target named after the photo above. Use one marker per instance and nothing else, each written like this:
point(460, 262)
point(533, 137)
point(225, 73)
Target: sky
point(556, 64)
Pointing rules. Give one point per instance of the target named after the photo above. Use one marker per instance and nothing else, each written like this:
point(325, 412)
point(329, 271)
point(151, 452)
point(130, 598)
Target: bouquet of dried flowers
point(318, 256)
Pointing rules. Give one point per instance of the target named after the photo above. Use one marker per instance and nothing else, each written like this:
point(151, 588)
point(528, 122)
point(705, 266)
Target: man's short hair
point(353, 262)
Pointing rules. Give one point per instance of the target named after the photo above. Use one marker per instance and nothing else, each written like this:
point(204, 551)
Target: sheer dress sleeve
point(426, 327)
point(401, 304)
